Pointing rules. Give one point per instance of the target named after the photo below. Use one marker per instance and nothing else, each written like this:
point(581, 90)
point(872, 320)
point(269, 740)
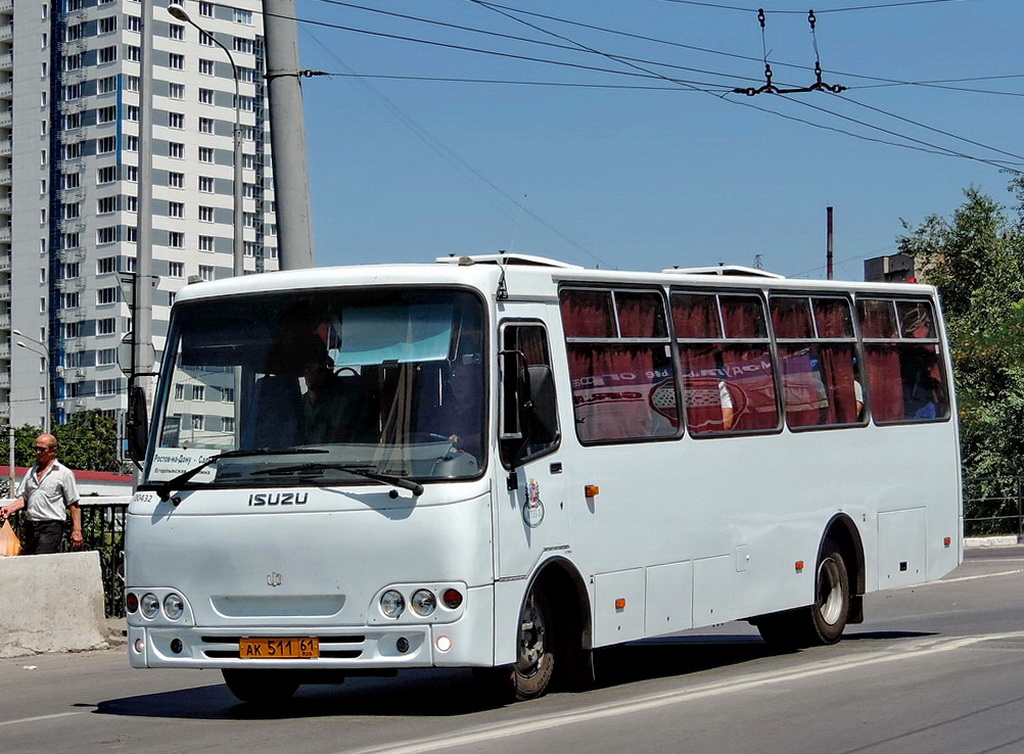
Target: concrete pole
point(142, 312)
point(287, 136)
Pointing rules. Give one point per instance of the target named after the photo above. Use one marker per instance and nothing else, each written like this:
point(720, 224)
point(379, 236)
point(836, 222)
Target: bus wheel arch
point(553, 638)
point(838, 584)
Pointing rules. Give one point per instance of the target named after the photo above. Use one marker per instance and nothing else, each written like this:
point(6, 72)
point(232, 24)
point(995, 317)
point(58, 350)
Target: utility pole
point(828, 234)
point(287, 136)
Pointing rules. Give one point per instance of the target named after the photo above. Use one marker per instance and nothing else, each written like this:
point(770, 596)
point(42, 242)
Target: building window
point(107, 234)
point(176, 61)
point(206, 96)
point(106, 145)
point(131, 113)
point(133, 23)
point(131, 204)
point(106, 55)
point(71, 210)
point(176, 209)
point(199, 392)
point(107, 25)
point(206, 214)
point(176, 150)
point(106, 387)
point(70, 241)
point(70, 301)
point(206, 125)
point(107, 174)
point(106, 114)
point(106, 356)
point(242, 44)
point(206, 154)
point(176, 32)
point(131, 143)
point(243, 17)
point(176, 91)
point(68, 181)
point(176, 239)
point(176, 180)
point(133, 52)
point(106, 204)
point(205, 9)
point(176, 120)
point(72, 270)
point(206, 184)
point(206, 243)
point(206, 67)
point(206, 272)
point(131, 173)
point(106, 296)
point(176, 269)
point(106, 326)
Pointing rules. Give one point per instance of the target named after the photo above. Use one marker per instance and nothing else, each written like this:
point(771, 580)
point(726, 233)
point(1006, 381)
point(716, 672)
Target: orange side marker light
point(799, 566)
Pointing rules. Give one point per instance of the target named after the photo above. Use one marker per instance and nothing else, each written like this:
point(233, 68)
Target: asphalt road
point(936, 668)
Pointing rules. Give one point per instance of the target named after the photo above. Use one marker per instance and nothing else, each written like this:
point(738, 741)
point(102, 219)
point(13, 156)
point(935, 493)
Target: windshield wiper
point(318, 468)
point(163, 489)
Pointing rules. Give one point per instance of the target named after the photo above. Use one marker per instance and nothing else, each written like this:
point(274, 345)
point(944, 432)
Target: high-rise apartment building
point(70, 114)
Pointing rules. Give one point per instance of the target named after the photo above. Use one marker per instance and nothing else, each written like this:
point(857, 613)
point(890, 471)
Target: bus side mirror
point(137, 424)
point(539, 409)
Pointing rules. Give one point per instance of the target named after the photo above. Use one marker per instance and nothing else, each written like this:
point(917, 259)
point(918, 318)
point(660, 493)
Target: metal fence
point(103, 531)
point(994, 505)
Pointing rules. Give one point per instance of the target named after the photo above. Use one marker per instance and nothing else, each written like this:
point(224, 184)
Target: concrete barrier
point(51, 603)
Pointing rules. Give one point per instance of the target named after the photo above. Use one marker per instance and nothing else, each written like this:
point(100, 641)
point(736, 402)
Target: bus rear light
point(150, 605)
point(620, 603)
point(139, 645)
point(452, 599)
point(443, 644)
point(799, 566)
point(947, 542)
point(131, 602)
point(591, 490)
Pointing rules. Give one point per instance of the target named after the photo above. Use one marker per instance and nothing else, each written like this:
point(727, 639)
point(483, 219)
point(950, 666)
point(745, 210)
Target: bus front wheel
point(531, 674)
point(260, 687)
point(822, 622)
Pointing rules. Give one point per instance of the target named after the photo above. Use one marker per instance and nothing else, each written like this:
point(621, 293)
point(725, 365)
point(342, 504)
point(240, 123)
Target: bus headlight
point(149, 605)
point(174, 606)
point(423, 602)
point(392, 603)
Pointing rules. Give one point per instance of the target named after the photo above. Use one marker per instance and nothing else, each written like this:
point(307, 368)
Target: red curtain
point(611, 387)
point(587, 314)
point(885, 384)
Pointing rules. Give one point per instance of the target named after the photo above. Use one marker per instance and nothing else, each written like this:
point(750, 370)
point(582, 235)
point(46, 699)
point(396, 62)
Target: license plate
point(278, 649)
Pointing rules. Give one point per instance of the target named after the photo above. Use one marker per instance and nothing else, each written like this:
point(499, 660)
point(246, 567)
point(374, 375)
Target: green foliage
point(87, 442)
point(976, 259)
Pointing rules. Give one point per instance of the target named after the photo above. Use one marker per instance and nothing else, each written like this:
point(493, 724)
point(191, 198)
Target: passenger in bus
point(926, 399)
point(331, 413)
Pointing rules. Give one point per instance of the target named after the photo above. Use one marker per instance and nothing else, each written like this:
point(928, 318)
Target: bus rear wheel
point(260, 687)
point(822, 622)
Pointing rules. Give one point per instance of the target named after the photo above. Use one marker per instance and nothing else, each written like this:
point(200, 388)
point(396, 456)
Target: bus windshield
point(339, 386)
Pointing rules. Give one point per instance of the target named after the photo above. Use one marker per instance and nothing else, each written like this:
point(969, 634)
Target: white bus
point(505, 462)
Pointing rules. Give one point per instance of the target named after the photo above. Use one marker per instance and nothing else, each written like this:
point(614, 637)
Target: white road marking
point(653, 701)
point(41, 717)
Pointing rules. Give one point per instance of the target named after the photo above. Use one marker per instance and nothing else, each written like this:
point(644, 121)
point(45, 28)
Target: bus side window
point(531, 340)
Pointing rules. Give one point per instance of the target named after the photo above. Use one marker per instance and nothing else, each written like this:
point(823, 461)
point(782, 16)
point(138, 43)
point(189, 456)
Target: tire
point(530, 676)
point(821, 623)
point(260, 687)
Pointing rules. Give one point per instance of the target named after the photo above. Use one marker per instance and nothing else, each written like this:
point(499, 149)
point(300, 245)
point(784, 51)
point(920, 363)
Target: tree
point(976, 260)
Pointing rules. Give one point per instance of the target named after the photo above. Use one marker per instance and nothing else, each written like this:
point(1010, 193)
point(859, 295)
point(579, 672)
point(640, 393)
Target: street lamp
point(39, 348)
point(178, 12)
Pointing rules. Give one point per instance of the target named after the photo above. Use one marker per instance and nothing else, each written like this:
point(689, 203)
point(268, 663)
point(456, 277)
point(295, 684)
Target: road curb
point(1007, 540)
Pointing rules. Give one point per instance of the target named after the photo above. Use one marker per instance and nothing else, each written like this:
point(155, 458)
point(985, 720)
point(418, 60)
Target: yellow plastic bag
point(10, 545)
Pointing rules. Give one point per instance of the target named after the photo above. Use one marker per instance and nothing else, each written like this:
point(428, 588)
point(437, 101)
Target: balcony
point(5, 262)
point(7, 89)
point(7, 5)
point(7, 58)
point(6, 119)
point(6, 32)
point(5, 234)
point(5, 177)
point(5, 206)
point(5, 380)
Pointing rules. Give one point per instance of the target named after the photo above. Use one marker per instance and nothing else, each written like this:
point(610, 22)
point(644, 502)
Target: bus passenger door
point(530, 509)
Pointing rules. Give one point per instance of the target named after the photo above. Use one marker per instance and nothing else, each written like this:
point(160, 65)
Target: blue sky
point(653, 161)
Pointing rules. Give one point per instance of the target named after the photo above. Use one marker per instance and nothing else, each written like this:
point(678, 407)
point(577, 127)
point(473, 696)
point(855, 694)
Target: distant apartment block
point(894, 268)
point(69, 183)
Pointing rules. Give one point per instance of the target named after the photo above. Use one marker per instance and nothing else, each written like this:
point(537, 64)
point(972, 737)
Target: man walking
point(46, 492)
